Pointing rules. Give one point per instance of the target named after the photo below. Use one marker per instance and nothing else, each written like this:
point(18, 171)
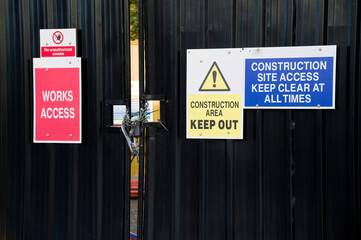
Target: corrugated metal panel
point(63, 191)
point(296, 175)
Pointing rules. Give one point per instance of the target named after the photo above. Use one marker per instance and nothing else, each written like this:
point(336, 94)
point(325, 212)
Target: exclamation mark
point(214, 78)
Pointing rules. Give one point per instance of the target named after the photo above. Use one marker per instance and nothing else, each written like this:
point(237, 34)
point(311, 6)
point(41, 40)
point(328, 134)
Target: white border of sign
point(290, 52)
point(199, 62)
point(70, 39)
point(65, 62)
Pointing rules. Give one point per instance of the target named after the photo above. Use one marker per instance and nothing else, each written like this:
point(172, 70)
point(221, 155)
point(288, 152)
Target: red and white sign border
point(66, 62)
point(69, 41)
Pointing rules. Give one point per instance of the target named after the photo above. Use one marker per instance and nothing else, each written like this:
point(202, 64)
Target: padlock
point(136, 131)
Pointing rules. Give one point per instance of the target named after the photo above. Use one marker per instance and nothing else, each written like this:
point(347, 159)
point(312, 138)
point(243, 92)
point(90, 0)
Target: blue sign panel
point(289, 82)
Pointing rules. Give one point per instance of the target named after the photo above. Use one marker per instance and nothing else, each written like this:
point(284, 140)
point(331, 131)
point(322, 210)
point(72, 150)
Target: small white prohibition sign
point(58, 37)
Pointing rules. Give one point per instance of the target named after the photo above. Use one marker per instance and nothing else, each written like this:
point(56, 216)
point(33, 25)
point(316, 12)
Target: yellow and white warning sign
point(214, 93)
point(214, 115)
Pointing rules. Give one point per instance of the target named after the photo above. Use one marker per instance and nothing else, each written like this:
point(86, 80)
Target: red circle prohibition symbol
point(58, 37)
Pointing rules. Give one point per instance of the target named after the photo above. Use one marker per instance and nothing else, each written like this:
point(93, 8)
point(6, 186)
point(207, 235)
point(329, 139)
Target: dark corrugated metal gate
point(63, 191)
point(296, 174)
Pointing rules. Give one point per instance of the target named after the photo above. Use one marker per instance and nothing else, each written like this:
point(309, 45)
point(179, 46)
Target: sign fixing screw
point(47, 134)
point(69, 62)
point(320, 49)
point(200, 134)
point(228, 132)
point(257, 105)
point(70, 135)
point(318, 105)
point(229, 52)
point(46, 44)
point(47, 69)
point(201, 61)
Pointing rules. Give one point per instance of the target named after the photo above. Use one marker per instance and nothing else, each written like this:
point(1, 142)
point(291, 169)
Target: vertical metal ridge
point(260, 159)
point(49, 13)
point(292, 168)
point(99, 122)
point(321, 139)
point(357, 130)
point(175, 11)
point(204, 206)
point(74, 199)
point(51, 192)
point(140, 218)
point(325, 22)
point(292, 120)
point(27, 119)
point(357, 144)
point(73, 14)
point(3, 123)
point(229, 186)
point(127, 70)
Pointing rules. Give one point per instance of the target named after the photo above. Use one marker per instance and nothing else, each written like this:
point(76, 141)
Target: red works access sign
point(57, 100)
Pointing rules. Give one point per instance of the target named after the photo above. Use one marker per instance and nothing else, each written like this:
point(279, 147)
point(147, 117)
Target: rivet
point(318, 105)
point(320, 49)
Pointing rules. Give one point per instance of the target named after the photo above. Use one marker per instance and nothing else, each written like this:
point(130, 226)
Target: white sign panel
point(58, 42)
point(289, 77)
point(214, 93)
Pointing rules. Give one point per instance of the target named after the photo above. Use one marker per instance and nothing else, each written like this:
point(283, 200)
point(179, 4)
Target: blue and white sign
point(290, 77)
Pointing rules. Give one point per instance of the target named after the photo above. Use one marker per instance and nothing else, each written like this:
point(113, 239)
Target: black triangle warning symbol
point(214, 80)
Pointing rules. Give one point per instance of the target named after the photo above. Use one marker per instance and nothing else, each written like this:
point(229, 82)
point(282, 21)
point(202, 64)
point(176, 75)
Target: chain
point(134, 123)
